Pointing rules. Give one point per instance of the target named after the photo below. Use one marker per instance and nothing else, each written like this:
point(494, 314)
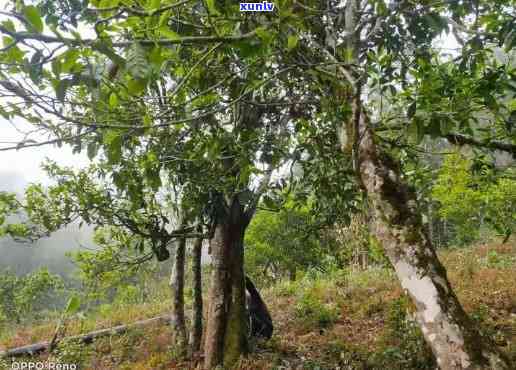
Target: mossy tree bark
point(226, 329)
point(452, 336)
point(197, 311)
point(177, 280)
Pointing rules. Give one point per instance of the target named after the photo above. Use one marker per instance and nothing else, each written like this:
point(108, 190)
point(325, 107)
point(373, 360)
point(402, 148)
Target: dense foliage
point(280, 243)
point(24, 298)
point(473, 201)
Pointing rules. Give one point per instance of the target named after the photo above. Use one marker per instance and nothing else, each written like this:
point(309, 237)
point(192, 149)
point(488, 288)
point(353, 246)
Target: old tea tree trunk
point(197, 309)
point(452, 336)
point(177, 280)
point(226, 328)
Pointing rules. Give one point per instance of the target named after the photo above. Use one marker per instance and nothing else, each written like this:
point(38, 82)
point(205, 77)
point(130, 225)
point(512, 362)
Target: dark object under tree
point(260, 321)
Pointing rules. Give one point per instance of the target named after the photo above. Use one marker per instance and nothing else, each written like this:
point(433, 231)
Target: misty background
point(19, 168)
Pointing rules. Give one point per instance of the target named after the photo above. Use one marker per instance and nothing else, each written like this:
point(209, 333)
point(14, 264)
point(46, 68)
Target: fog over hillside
point(17, 170)
point(50, 252)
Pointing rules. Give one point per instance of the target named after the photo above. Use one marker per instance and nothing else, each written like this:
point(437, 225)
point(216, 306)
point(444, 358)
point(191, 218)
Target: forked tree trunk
point(196, 333)
point(454, 340)
point(226, 328)
point(177, 280)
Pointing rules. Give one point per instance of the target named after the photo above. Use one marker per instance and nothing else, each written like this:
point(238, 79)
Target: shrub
point(473, 202)
point(314, 312)
point(459, 198)
point(286, 288)
point(72, 352)
point(500, 261)
point(279, 244)
point(25, 296)
point(403, 344)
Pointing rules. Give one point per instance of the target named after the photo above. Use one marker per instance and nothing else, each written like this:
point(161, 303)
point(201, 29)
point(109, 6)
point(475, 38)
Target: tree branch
point(262, 188)
point(22, 36)
point(460, 140)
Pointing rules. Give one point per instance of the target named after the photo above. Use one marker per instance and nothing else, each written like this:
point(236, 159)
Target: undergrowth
point(323, 320)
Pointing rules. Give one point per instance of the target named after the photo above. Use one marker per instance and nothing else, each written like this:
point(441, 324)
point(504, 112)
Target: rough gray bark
point(451, 335)
point(226, 328)
point(197, 311)
point(218, 300)
point(454, 340)
point(177, 281)
point(34, 349)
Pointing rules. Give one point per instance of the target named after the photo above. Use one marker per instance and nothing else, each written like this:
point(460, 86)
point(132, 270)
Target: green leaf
point(147, 121)
point(9, 25)
point(108, 4)
point(69, 60)
point(32, 15)
point(56, 67)
point(113, 100)
point(7, 41)
point(264, 34)
point(292, 42)
point(156, 57)
point(416, 130)
point(210, 4)
point(155, 4)
point(137, 63)
point(73, 305)
point(167, 33)
point(110, 136)
point(136, 87)
point(246, 48)
point(113, 141)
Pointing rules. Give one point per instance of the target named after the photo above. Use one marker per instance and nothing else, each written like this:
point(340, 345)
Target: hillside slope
point(347, 319)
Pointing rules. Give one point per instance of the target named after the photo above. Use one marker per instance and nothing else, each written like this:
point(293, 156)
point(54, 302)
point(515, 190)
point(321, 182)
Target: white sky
point(20, 167)
point(24, 165)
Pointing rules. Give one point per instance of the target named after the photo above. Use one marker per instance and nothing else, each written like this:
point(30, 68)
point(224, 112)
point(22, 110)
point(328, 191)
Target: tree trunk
point(237, 327)
point(452, 336)
point(177, 280)
point(226, 328)
point(196, 334)
point(431, 235)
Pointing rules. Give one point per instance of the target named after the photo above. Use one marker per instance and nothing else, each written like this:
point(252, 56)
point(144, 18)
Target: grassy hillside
point(351, 319)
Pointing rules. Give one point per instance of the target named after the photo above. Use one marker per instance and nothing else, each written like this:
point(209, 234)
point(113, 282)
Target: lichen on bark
point(452, 336)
